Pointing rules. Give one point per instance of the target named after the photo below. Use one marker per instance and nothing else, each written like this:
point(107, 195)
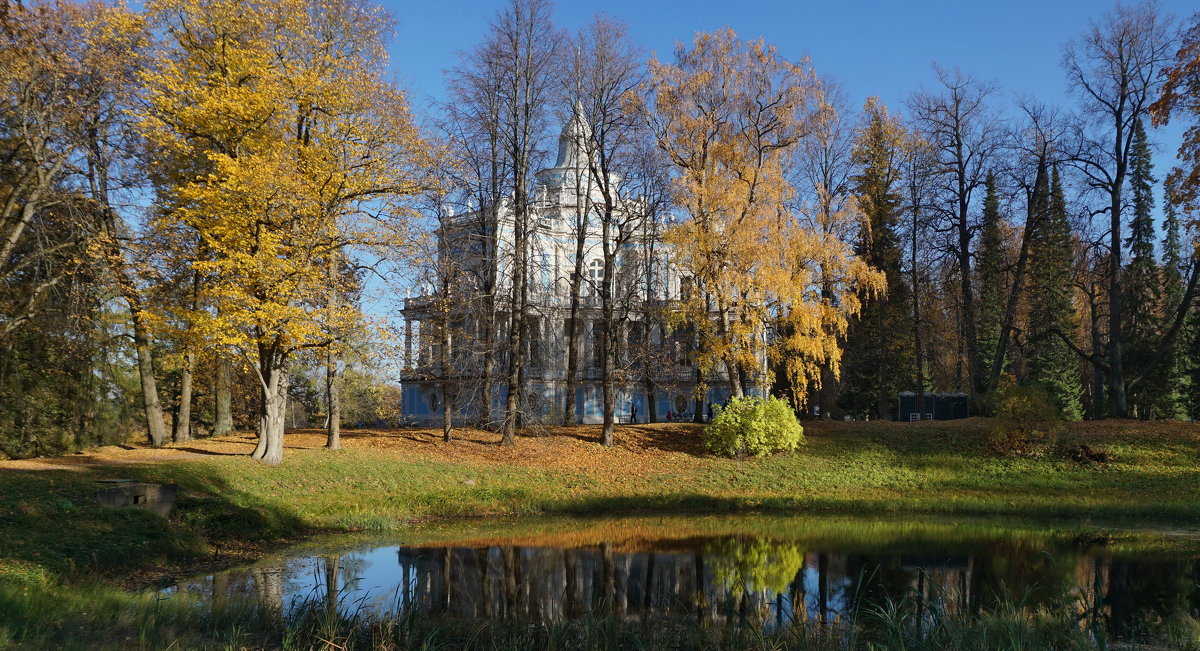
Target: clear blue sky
point(877, 47)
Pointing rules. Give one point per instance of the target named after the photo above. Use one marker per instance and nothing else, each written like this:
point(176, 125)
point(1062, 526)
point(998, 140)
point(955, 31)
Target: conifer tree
point(1177, 399)
point(879, 354)
point(990, 266)
point(1051, 363)
point(1143, 287)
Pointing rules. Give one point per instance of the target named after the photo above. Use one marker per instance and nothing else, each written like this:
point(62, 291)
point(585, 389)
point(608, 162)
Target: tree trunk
point(183, 420)
point(223, 421)
point(609, 389)
point(1098, 379)
point(331, 586)
point(1116, 370)
point(487, 392)
point(883, 399)
point(572, 343)
point(732, 369)
point(444, 357)
point(970, 339)
point(1010, 311)
point(651, 396)
point(333, 397)
point(271, 422)
point(516, 333)
point(155, 425)
point(918, 343)
point(333, 402)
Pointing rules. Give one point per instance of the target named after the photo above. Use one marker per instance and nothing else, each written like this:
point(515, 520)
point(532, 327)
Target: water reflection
point(715, 578)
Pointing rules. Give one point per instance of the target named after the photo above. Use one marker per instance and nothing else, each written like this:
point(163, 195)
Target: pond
point(767, 571)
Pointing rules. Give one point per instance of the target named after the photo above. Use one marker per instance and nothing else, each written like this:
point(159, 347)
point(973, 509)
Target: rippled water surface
point(769, 570)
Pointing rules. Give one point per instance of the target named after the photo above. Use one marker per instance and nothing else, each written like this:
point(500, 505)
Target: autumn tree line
point(197, 198)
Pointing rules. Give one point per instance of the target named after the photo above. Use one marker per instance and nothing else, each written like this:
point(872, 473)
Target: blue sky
point(882, 48)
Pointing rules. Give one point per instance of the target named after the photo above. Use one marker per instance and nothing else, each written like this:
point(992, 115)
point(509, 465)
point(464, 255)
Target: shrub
point(753, 426)
point(1027, 422)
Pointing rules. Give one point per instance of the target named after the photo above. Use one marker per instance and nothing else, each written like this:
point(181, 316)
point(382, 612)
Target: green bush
point(753, 426)
point(1027, 422)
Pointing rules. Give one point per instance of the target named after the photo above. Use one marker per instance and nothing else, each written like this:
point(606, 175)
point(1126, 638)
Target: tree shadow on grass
point(51, 519)
point(212, 453)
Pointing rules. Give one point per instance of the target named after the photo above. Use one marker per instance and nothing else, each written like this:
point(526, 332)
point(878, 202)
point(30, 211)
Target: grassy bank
point(384, 479)
point(59, 546)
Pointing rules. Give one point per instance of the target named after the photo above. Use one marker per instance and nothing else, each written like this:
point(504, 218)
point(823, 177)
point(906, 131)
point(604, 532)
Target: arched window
point(595, 276)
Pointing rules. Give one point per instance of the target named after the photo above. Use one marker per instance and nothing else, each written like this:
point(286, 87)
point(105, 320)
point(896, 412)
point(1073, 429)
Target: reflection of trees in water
point(770, 581)
point(775, 582)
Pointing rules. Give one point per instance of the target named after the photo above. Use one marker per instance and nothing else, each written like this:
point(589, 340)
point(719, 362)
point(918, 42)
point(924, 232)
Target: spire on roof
point(575, 135)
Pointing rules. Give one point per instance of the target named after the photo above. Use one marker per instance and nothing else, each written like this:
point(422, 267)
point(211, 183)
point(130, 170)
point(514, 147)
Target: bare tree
point(483, 176)
point(525, 45)
point(966, 136)
point(609, 133)
point(1037, 152)
point(1114, 70)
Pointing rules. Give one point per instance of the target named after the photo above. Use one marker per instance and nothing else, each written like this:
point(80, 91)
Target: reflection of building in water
point(728, 579)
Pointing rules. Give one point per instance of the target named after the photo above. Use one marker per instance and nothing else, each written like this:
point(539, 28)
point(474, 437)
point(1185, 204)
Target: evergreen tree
point(1051, 363)
point(878, 358)
point(1177, 400)
point(1143, 290)
point(990, 267)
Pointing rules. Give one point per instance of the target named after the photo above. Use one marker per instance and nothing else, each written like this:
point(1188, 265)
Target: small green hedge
point(1027, 422)
point(753, 426)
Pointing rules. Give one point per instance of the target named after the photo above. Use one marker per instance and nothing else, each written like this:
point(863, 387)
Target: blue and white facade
point(657, 377)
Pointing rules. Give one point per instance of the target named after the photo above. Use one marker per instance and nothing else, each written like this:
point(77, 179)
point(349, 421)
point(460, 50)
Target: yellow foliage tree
point(276, 147)
point(729, 115)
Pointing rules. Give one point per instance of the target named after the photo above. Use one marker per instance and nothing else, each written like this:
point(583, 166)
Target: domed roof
point(576, 133)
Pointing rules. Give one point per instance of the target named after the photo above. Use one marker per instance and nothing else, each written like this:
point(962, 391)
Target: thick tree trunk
point(918, 343)
point(271, 422)
point(183, 420)
point(333, 402)
point(223, 420)
point(1010, 311)
point(572, 342)
point(731, 367)
point(1116, 369)
point(155, 425)
point(970, 339)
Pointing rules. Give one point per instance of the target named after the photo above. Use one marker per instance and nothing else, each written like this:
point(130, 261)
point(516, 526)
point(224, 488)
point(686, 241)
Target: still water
point(770, 570)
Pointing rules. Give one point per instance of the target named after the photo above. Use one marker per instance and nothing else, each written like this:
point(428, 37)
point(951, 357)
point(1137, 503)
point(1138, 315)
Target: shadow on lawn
point(51, 519)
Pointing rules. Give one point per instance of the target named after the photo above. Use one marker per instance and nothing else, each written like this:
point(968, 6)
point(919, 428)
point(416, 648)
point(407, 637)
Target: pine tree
point(879, 353)
point(1051, 363)
point(1143, 291)
point(990, 267)
point(1177, 399)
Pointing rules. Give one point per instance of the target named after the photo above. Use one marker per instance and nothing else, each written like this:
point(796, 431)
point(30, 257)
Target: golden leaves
point(729, 114)
point(276, 148)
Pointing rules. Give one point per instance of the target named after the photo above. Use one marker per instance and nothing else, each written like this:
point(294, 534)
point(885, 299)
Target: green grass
point(57, 543)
